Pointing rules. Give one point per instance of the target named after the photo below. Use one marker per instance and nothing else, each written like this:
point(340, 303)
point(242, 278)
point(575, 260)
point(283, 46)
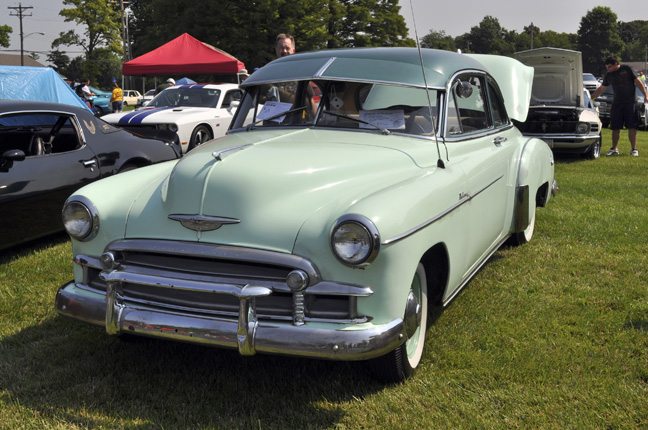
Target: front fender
point(113, 198)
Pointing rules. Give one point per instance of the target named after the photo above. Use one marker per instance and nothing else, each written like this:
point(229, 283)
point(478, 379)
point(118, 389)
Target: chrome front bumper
point(569, 141)
point(247, 334)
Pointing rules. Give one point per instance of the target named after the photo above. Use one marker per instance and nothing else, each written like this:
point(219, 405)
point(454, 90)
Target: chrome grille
point(222, 265)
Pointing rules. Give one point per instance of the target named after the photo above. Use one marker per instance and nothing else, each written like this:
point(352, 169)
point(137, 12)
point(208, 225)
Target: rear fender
point(534, 181)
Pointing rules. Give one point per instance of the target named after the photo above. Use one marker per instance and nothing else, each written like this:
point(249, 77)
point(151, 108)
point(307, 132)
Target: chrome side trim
point(463, 198)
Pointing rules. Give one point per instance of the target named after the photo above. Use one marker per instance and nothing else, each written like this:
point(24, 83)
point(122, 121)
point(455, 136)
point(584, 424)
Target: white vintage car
point(197, 112)
point(130, 97)
point(561, 112)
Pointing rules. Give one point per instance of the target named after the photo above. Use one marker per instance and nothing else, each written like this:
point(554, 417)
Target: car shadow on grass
point(70, 372)
point(32, 247)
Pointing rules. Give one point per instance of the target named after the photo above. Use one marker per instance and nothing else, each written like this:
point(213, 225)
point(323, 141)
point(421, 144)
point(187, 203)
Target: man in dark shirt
point(169, 83)
point(623, 111)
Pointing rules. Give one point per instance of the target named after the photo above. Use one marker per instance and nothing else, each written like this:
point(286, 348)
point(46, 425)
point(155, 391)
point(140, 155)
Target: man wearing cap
point(169, 83)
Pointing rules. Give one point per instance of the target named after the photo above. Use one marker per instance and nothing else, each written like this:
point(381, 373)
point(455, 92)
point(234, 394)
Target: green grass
point(550, 335)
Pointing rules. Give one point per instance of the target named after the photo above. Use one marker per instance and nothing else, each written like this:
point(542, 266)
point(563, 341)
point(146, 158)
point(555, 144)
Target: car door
point(482, 143)
point(33, 190)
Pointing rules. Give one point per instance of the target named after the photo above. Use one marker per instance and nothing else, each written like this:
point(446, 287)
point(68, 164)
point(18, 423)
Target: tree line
point(247, 30)
point(599, 35)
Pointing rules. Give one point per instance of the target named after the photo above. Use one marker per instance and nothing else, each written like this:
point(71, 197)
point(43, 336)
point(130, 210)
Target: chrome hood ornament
point(203, 222)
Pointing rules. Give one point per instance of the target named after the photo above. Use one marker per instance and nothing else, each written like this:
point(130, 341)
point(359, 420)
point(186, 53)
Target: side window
point(454, 127)
point(38, 134)
point(232, 96)
point(469, 98)
point(497, 104)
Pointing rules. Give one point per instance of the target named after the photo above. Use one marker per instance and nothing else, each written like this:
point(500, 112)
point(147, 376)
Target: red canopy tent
point(182, 56)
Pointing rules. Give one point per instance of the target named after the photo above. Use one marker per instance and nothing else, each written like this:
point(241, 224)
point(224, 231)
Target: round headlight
point(80, 219)
point(355, 240)
point(582, 128)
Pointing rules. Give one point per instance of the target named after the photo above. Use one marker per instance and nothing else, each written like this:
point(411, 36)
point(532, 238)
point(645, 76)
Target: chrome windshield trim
point(322, 69)
point(464, 198)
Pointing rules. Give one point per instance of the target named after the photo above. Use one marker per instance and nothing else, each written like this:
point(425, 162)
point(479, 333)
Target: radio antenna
point(440, 162)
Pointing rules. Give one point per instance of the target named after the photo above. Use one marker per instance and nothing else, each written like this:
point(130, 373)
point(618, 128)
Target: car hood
point(267, 185)
point(558, 76)
point(156, 115)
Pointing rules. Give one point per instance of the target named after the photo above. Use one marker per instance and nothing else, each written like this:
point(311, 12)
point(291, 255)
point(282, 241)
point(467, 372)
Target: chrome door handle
point(90, 163)
point(498, 140)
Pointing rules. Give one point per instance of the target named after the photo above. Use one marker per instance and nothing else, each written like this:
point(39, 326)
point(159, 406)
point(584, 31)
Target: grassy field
point(551, 335)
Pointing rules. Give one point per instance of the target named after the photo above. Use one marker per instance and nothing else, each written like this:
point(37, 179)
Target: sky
point(562, 16)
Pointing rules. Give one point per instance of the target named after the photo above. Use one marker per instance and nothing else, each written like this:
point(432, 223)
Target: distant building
point(14, 60)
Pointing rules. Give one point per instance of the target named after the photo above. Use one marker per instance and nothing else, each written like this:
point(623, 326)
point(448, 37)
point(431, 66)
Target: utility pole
point(532, 35)
point(20, 8)
point(125, 42)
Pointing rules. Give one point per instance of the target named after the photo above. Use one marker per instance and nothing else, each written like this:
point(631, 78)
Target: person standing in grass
point(116, 98)
point(623, 112)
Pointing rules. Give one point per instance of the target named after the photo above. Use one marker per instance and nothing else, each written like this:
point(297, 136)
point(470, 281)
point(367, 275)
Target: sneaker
point(613, 151)
point(634, 152)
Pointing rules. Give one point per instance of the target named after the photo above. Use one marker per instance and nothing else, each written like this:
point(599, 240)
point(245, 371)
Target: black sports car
point(49, 150)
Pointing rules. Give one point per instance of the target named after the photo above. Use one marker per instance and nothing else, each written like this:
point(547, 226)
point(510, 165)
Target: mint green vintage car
point(355, 189)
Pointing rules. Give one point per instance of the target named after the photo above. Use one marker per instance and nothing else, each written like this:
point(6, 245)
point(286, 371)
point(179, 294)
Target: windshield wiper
point(341, 115)
point(279, 115)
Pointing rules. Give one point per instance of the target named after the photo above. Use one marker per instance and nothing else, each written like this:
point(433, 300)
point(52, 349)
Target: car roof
point(22, 105)
point(388, 65)
point(222, 87)
point(402, 66)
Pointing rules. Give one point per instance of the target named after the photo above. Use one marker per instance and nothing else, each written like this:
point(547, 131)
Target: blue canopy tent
point(36, 83)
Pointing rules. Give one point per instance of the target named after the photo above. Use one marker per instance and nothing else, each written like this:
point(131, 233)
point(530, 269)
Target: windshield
point(178, 96)
point(337, 104)
point(588, 77)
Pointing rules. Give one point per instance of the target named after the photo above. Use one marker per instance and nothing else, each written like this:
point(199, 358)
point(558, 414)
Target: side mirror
point(8, 157)
point(464, 89)
point(13, 155)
